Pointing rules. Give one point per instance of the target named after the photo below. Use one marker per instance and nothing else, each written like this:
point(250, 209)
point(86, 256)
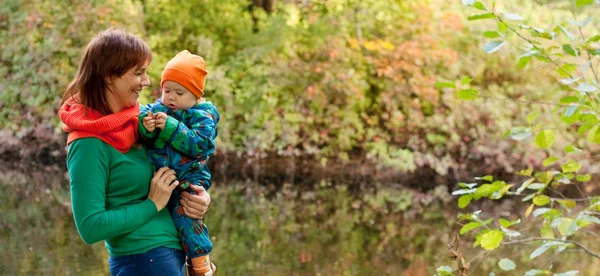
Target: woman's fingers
point(192, 214)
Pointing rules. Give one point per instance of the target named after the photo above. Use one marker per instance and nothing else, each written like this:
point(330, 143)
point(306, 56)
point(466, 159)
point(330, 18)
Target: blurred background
point(336, 154)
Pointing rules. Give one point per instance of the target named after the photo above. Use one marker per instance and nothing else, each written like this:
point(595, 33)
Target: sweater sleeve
point(88, 164)
point(195, 141)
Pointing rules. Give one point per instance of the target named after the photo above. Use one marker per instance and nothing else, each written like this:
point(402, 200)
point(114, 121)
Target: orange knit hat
point(188, 70)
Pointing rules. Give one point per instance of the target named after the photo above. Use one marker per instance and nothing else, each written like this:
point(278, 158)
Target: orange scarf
point(119, 130)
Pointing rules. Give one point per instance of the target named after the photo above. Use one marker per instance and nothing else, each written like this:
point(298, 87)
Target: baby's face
point(176, 97)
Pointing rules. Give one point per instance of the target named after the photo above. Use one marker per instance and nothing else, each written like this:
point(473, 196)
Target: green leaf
point(481, 16)
point(523, 61)
point(536, 186)
point(520, 133)
point(546, 231)
point(589, 218)
point(488, 189)
point(545, 138)
point(594, 135)
point(580, 3)
point(463, 191)
point(543, 248)
point(533, 116)
point(492, 239)
point(479, 5)
point(565, 226)
point(594, 39)
point(524, 185)
point(567, 82)
point(502, 27)
point(507, 264)
point(468, 94)
point(569, 50)
point(469, 226)
point(569, 99)
point(540, 211)
point(464, 200)
point(529, 210)
point(566, 69)
point(544, 177)
point(567, 33)
point(445, 270)
point(493, 46)
point(571, 115)
point(491, 34)
point(525, 172)
point(440, 84)
point(466, 80)
point(570, 148)
point(568, 273)
point(488, 178)
point(512, 16)
point(549, 161)
point(535, 272)
point(567, 203)
point(584, 177)
point(584, 87)
point(541, 200)
point(504, 222)
point(570, 166)
point(465, 185)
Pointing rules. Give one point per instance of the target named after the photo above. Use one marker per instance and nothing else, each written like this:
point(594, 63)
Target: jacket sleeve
point(195, 141)
point(88, 164)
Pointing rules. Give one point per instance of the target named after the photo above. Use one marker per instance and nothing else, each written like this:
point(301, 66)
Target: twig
point(478, 262)
point(583, 194)
point(544, 53)
point(531, 102)
point(596, 255)
point(588, 53)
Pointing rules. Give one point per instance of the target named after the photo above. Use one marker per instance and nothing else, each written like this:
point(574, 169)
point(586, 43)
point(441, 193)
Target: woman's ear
point(108, 80)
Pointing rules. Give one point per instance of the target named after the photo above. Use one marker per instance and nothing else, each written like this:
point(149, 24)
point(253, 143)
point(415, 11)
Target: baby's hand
point(149, 122)
point(161, 119)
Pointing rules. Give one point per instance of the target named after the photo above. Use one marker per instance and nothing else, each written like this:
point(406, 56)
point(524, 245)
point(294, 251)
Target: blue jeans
point(156, 262)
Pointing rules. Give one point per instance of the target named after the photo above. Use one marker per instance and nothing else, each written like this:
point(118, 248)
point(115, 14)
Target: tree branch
point(542, 52)
point(589, 252)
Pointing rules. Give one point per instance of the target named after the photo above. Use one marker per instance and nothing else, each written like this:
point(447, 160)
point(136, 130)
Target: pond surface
point(320, 230)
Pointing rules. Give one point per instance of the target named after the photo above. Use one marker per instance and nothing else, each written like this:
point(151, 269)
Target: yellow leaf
point(529, 210)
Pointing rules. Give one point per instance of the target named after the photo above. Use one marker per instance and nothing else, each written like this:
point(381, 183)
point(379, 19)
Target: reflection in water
point(321, 230)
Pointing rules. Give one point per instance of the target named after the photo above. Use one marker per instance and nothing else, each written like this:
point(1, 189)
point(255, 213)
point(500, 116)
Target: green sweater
point(109, 193)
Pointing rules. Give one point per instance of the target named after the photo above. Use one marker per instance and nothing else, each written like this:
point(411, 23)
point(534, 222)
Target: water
point(320, 230)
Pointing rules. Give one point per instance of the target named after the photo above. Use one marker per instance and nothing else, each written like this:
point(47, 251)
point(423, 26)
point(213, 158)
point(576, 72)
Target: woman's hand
point(195, 206)
point(161, 186)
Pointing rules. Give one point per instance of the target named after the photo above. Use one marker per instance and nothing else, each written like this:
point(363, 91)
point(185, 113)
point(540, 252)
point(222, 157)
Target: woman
point(110, 172)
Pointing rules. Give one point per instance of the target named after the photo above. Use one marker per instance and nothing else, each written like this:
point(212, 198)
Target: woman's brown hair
point(110, 54)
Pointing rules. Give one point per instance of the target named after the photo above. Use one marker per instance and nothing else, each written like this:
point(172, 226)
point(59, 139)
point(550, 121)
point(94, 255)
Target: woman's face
point(125, 90)
point(177, 97)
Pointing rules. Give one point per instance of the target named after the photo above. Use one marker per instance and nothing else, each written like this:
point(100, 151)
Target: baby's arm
point(195, 140)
